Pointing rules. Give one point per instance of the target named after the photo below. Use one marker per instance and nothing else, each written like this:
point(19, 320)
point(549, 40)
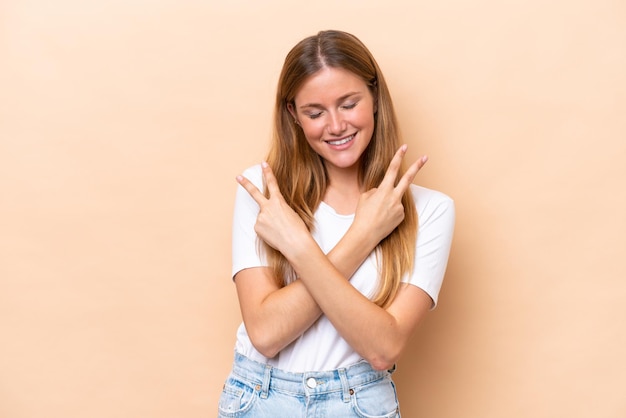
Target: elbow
point(384, 361)
point(386, 356)
point(267, 352)
point(263, 343)
point(381, 364)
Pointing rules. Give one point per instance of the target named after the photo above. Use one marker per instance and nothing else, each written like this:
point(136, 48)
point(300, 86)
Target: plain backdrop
point(124, 123)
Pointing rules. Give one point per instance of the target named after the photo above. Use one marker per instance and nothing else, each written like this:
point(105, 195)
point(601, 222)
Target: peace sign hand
point(277, 223)
point(380, 209)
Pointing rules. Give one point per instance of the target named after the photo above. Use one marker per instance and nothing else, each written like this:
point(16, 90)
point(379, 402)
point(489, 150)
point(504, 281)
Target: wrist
point(362, 237)
point(299, 247)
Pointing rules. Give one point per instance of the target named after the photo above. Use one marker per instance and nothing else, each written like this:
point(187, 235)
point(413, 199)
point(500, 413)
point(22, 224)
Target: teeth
point(341, 141)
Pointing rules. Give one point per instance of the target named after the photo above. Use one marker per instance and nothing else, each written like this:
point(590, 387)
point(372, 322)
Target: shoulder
point(254, 174)
point(243, 200)
point(432, 204)
point(428, 198)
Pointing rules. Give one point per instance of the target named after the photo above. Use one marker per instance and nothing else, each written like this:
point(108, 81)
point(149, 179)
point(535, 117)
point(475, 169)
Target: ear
point(374, 92)
point(292, 110)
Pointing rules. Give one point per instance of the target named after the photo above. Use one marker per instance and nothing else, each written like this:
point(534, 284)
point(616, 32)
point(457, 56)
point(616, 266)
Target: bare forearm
point(288, 312)
point(278, 316)
point(372, 331)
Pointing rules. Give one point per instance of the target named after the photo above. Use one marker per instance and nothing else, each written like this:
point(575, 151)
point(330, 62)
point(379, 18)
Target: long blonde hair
point(300, 171)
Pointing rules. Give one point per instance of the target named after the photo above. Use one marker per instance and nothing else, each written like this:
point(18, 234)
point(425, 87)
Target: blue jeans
point(259, 390)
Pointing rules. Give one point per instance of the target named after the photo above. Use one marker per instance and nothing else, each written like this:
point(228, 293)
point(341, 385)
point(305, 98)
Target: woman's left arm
point(379, 335)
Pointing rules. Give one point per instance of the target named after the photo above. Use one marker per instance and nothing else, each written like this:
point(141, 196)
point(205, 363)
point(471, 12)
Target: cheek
point(365, 120)
point(364, 116)
point(312, 131)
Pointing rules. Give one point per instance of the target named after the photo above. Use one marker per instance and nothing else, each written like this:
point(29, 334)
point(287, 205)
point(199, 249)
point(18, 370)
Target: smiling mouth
point(342, 141)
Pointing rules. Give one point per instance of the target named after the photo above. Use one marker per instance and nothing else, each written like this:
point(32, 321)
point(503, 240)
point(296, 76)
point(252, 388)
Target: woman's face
point(335, 109)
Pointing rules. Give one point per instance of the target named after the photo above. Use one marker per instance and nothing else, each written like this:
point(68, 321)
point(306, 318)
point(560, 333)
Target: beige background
point(124, 123)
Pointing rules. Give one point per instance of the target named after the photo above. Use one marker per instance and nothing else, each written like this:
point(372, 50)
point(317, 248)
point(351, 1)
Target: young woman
point(336, 255)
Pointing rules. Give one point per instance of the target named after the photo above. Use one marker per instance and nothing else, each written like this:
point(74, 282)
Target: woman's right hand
point(380, 209)
point(277, 223)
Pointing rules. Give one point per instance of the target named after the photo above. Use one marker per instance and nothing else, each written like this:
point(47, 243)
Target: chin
point(343, 163)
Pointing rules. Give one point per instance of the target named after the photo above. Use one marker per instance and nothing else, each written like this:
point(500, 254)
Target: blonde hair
point(300, 171)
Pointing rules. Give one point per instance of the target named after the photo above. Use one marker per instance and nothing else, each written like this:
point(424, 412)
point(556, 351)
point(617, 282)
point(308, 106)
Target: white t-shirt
point(321, 347)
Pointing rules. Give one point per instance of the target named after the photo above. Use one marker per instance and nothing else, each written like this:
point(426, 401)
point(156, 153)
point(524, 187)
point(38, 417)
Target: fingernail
point(264, 164)
point(404, 147)
point(239, 178)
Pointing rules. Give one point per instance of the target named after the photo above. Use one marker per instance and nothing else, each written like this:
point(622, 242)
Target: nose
point(336, 124)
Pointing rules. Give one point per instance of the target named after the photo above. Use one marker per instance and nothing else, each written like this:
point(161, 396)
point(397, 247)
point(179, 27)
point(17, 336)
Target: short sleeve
point(245, 252)
point(436, 217)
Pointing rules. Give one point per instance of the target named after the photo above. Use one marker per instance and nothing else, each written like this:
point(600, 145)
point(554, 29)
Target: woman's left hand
point(380, 209)
point(277, 223)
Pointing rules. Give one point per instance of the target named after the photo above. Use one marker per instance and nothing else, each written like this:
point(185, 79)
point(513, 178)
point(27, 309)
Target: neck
point(343, 191)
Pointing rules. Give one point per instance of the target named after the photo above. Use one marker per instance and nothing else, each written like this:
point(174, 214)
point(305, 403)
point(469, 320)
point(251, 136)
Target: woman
point(331, 270)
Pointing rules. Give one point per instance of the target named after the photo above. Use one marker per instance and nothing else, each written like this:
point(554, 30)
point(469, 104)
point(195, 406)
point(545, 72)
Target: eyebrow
point(339, 100)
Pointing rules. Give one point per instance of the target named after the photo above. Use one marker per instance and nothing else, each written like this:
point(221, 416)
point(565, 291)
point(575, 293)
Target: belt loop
point(266, 381)
point(345, 386)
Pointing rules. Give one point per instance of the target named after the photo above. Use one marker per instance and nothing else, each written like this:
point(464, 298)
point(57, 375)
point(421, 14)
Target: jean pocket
point(376, 400)
point(237, 398)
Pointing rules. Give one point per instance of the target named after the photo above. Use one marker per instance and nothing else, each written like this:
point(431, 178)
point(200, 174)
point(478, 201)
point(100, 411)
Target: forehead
point(329, 84)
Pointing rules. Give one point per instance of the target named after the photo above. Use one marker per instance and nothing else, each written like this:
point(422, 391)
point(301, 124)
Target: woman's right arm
point(275, 316)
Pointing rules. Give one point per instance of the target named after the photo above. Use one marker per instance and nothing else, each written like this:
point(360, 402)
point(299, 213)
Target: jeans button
point(311, 382)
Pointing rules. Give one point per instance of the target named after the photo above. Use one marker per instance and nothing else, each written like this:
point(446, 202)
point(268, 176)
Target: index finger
point(394, 167)
point(252, 190)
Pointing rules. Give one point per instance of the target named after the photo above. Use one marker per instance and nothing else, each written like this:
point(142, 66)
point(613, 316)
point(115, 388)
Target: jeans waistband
point(306, 383)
